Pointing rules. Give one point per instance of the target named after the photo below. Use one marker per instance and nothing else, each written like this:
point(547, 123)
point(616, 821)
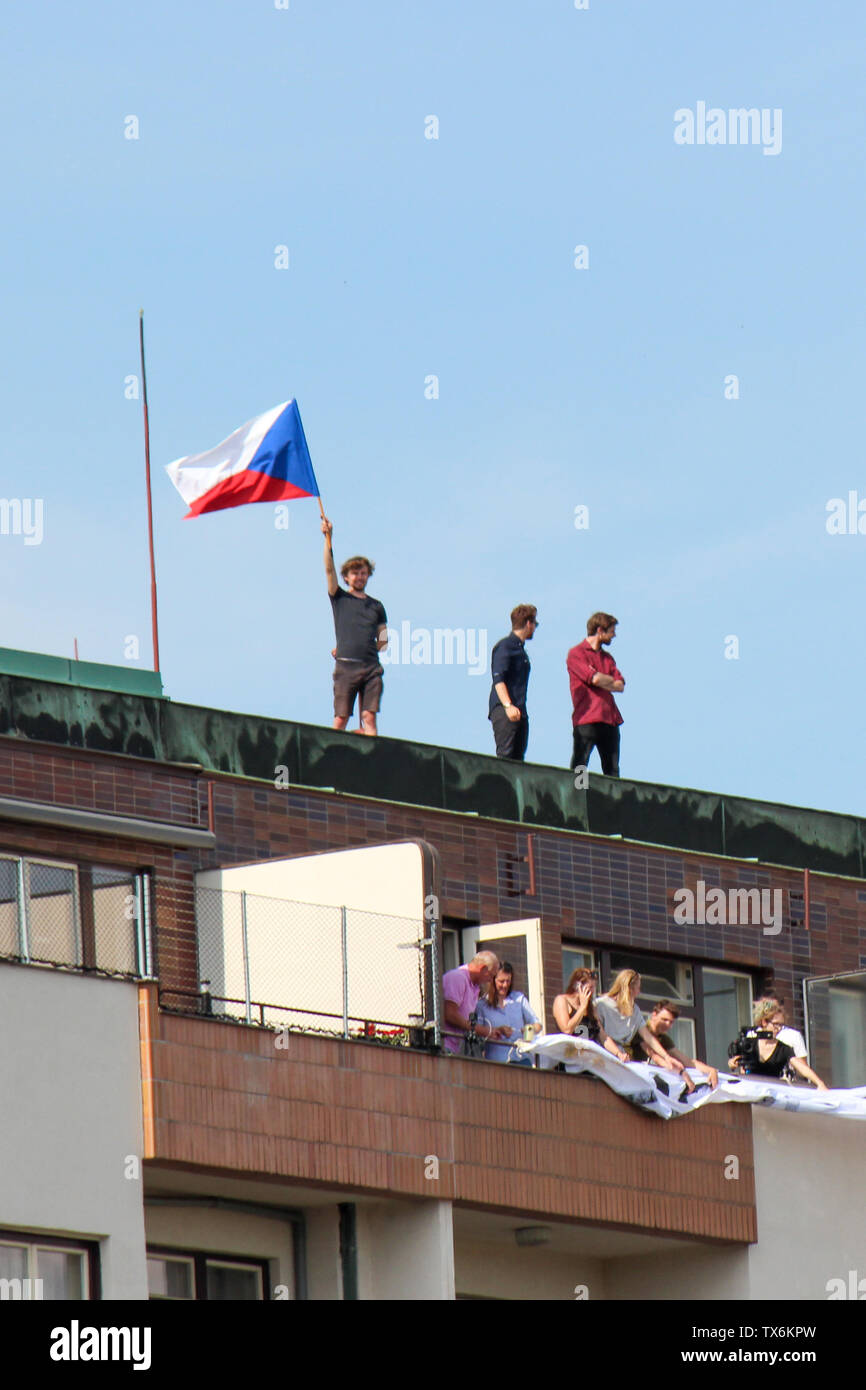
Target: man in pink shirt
point(460, 991)
point(593, 677)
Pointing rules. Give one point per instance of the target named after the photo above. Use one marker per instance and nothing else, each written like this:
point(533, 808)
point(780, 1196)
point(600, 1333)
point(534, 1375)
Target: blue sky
point(558, 387)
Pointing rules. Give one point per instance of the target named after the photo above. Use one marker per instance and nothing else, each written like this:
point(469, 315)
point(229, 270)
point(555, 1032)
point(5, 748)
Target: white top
point(618, 1026)
point(793, 1039)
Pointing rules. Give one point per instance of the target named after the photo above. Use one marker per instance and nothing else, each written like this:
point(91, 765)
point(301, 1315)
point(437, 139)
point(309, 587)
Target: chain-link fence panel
point(315, 968)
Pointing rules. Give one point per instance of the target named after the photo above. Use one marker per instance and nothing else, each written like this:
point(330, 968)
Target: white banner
point(663, 1092)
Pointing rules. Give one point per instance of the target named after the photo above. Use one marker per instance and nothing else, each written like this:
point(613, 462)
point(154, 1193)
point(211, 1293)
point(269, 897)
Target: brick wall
point(595, 891)
point(598, 891)
point(367, 1118)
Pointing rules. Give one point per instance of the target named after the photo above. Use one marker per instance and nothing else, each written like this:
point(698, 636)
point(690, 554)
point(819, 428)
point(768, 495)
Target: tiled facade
point(372, 1119)
point(593, 890)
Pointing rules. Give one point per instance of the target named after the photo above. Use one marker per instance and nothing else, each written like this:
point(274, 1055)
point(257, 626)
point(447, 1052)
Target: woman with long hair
point(504, 1007)
point(619, 1014)
point(574, 1012)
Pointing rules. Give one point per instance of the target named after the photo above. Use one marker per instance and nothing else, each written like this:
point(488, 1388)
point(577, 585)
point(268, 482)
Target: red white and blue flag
point(266, 460)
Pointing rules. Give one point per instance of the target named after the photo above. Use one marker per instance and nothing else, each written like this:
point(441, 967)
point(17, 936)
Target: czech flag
point(266, 460)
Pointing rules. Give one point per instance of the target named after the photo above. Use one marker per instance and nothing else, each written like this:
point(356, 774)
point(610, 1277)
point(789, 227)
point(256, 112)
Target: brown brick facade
point(367, 1118)
point(588, 889)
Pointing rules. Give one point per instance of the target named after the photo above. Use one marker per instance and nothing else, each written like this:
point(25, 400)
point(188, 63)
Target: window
point(85, 916)
point(233, 1281)
point(51, 914)
point(170, 1277)
point(34, 1267)
point(576, 958)
point(713, 1002)
point(727, 1009)
point(452, 937)
point(118, 910)
point(682, 1035)
point(9, 907)
point(195, 1275)
point(450, 949)
point(836, 1022)
point(659, 978)
point(848, 1033)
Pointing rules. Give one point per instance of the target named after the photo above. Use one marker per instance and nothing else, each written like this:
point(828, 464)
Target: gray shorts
point(353, 678)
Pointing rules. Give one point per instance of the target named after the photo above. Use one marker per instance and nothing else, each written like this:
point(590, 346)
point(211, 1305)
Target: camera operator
point(758, 1051)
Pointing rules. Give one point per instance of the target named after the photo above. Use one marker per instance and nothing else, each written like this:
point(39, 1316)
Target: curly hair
point(354, 563)
point(763, 1009)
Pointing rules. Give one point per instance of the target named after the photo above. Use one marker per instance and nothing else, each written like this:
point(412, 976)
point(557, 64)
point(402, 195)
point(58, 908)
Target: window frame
point(141, 880)
point(591, 951)
point(200, 1260)
point(717, 969)
point(33, 1241)
point(820, 1043)
point(452, 929)
point(694, 1012)
point(25, 863)
point(178, 1258)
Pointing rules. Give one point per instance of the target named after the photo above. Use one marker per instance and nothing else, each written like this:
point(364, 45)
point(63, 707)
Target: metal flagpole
point(153, 613)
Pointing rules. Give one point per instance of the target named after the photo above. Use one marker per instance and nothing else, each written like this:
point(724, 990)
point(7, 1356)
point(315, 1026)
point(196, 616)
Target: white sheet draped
point(663, 1093)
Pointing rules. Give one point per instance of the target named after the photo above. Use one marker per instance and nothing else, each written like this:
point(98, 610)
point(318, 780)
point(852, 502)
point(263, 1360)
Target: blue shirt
point(514, 1014)
point(509, 663)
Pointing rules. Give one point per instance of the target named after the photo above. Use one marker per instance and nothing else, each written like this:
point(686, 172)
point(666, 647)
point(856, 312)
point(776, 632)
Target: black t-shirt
point(356, 623)
point(509, 663)
point(661, 1038)
point(588, 1026)
point(775, 1063)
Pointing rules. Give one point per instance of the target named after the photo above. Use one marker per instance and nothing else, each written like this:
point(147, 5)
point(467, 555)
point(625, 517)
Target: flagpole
point(153, 612)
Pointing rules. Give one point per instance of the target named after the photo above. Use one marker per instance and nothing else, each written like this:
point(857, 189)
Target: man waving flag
point(266, 460)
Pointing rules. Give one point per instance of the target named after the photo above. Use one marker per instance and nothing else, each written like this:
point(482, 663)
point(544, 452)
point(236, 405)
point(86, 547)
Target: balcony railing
point(310, 968)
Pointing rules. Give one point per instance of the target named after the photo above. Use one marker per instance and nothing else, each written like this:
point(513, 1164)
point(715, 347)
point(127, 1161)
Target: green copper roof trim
point(532, 796)
point(90, 675)
point(493, 820)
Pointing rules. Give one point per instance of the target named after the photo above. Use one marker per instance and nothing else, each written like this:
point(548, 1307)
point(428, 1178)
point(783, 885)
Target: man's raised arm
point(330, 568)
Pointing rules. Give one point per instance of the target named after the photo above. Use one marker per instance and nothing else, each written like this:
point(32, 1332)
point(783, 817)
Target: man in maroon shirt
point(593, 678)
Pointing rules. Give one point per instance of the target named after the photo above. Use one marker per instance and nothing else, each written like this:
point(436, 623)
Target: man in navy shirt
point(509, 668)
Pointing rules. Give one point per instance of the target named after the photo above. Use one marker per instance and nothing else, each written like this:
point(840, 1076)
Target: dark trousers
point(511, 739)
point(604, 737)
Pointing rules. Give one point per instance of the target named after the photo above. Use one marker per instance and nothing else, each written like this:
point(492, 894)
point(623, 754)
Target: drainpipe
point(349, 1249)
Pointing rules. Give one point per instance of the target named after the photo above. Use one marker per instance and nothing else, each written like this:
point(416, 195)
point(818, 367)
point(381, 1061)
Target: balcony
point(403, 1123)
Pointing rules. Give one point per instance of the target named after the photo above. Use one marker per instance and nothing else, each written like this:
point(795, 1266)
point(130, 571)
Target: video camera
point(746, 1047)
point(473, 1046)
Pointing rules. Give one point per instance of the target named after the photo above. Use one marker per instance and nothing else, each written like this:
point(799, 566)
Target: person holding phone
point(575, 1013)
